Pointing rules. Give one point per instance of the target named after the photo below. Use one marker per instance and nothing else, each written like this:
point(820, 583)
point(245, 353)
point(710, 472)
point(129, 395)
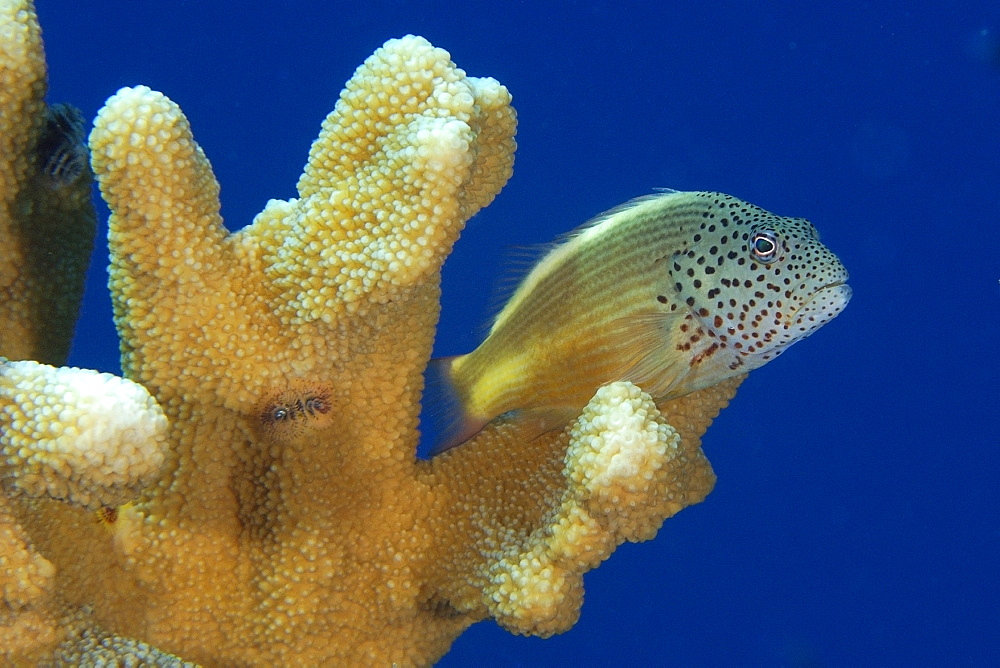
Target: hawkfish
point(674, 292)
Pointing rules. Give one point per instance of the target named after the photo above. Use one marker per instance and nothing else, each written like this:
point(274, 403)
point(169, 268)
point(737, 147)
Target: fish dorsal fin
point(517, 263)
point(614, 211)
point(552, 255)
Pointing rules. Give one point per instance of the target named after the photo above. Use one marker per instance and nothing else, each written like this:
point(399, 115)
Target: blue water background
point(856, 519)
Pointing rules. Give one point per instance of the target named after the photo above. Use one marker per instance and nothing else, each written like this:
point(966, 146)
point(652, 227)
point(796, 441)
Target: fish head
point(755, 283)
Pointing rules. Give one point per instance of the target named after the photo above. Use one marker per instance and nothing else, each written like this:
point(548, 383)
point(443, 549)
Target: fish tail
point(448, 406)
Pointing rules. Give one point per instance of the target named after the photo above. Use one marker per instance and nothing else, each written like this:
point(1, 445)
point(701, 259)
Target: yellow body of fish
point(674, 292)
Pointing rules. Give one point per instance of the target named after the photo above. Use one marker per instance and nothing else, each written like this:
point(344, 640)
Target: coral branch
point(76, 435)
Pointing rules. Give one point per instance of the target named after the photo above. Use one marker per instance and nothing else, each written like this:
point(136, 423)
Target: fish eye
point(764, 246)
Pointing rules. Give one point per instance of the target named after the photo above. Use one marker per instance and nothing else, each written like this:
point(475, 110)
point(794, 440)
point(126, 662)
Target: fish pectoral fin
point(521, 426)
point(530, 423)
point(648, 357)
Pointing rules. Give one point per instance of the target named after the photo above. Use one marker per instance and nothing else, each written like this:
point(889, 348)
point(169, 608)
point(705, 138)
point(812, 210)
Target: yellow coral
point(82, 437)
point(621, 464)
point(526, 519)
point(292, 522)
point(89, 438)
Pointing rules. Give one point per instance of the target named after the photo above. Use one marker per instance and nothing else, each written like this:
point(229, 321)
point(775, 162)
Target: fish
point(675, 292)
point(61, 152)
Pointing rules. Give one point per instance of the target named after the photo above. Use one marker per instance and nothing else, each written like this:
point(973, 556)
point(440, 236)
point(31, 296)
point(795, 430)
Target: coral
point(527, 518)
point(291, 521)
point(88, 438)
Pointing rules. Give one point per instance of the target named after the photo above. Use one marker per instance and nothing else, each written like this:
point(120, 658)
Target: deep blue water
point(855, 520)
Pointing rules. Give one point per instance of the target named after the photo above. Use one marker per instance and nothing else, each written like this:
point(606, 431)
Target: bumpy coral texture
point(291, 521)
point(88, 438)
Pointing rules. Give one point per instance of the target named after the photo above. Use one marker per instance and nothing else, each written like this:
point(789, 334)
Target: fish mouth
point(840, 286)
point(823, 305)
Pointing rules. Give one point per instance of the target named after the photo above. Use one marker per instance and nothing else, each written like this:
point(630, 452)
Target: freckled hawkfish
point(674, 292)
